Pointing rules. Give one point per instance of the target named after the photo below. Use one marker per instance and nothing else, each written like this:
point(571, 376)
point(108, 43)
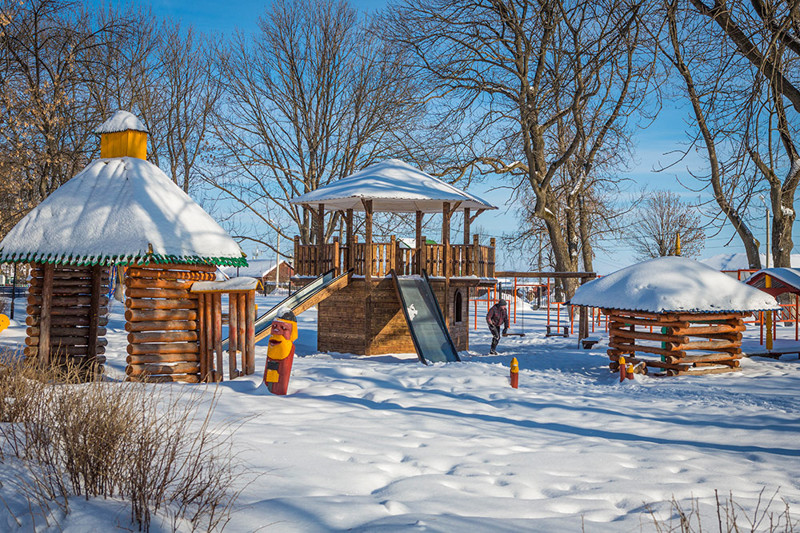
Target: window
point(459, 307)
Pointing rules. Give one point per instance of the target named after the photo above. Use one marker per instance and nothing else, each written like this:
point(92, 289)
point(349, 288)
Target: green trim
point(106, 260)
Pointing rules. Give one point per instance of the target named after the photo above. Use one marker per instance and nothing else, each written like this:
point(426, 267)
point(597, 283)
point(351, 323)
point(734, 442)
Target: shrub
point(151, 445)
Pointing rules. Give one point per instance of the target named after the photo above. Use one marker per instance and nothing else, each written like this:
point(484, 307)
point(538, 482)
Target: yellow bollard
point(514, 373)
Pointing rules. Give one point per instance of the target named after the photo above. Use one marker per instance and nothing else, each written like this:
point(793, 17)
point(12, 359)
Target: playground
point(370, 439)
point(404, 446)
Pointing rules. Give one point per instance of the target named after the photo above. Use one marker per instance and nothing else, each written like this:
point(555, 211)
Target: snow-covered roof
point(256, 268)
point(228, 285)
point(738, 261)
point(782, 280)
point(121, 121)
point(117, 211)
point(394, 187)
point(672, 284)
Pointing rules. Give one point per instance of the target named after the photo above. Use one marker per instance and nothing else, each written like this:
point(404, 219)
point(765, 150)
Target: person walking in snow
point(496, 317)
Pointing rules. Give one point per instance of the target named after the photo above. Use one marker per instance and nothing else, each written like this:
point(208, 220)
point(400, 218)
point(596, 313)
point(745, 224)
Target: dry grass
point(151, 445)
point(767, 516)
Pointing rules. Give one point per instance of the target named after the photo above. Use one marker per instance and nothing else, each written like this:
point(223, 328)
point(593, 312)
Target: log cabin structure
point(674, 315)
point(120, 211)
point(365, 317)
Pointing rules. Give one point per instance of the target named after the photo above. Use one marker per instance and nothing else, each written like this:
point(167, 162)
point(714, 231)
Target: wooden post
point(467, 253)
point(241, 311)
point(350, 254)
point(369, 255)
point(336, 264)
point(298, 264)
point(250, 321)
point(201, 336)
point(94, 311)
point(320, 238)
point(44, 324)
point(420, 245)
point(423, 256)
point(583, 319)
point(233, 334)
point(446, 260)
point(490, 260)
point(392, 257)
point(217, 305)
point(475, 257)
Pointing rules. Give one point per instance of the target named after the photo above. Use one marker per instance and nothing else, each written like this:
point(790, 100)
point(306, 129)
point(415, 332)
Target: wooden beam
point(94, 310)
point(419, 244)
point(47, 299)
point(320, 238)
point(554, 275)
point(350, 255)
point(446, 259)
point(473, 217)
point(368, 253)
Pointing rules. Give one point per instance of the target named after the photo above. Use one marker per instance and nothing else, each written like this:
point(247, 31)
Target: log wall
point(67, 310)
point(676, 343)
point(361, 320)
point(163, 322)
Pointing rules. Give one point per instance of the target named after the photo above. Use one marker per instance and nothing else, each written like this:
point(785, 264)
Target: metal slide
point(425, 320)
point(302, 299)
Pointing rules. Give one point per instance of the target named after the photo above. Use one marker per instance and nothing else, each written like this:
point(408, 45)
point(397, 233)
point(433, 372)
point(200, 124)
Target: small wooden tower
point(685, 317)
point(365, 318)
point(120, 211)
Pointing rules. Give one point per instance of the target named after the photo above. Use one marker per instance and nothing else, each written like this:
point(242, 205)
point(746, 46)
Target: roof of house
point(672, 284)
point(394, 187)
point(117, 211)
point(781, 280)
point(256, 268)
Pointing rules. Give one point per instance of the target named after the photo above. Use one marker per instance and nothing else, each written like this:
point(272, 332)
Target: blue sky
point(653, 145)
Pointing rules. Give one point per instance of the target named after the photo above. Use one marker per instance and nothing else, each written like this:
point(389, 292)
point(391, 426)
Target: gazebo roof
point(118, 211)
point(394, 187)
point(672, 284)
point(121, 121)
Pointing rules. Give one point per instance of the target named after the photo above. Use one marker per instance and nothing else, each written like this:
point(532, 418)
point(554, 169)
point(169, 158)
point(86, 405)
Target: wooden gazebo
point(365, 318)
point(120, 210)
point(675, 315)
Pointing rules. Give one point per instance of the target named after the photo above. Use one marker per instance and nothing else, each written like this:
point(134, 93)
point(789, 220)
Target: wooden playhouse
point(675, 315)
point(124, 211)
point(366, 317)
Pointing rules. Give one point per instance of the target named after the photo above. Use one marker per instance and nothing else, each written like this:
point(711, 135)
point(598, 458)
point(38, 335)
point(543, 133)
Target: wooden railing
point(461, 260)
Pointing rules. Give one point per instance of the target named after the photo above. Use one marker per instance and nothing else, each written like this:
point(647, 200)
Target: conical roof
point(672, 284)
point(117, 211)
point(394, 187)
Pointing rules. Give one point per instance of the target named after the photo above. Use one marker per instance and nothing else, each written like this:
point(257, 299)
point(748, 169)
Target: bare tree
point(752, 116)
point(541, 88)
point(312, 97)
point(660, 219)
point(47, 53)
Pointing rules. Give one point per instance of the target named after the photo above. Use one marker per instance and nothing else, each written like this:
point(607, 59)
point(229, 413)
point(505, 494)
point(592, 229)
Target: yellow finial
point(514, 366)
point(123, 135)
point(677, 243)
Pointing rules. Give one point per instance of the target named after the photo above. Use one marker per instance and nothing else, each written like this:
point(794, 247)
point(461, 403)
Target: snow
point(228, 285)
point(393, 186)
point(667, 284)
point(114, 211)
point(121, 121)
point(387, 444)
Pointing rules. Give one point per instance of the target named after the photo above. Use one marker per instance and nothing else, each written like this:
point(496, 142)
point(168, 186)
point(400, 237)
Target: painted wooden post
point(336, 264)
point(369, 255)
point(490, 262)
point(467, 252)
point(475, 255)
point(241, 311)
point(391, 259)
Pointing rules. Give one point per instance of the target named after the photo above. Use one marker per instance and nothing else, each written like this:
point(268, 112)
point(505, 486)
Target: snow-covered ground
point(387, 444)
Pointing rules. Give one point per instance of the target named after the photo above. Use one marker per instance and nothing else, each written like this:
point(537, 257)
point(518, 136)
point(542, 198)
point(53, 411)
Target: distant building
point(263, 269)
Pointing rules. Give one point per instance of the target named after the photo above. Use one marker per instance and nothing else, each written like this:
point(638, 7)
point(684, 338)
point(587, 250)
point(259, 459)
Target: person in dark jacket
point(496, 317)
